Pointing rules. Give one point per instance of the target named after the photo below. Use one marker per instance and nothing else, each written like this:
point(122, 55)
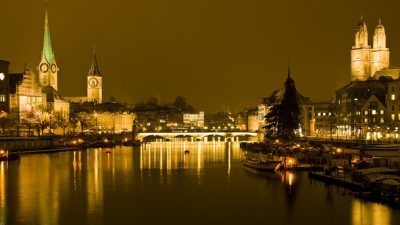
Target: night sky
point(214, 52)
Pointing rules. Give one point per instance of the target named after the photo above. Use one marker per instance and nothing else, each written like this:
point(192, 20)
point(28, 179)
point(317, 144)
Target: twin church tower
point(365, 61)
point(48, 70)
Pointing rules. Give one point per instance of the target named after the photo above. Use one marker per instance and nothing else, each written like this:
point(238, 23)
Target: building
point(4, 89)
point(366, 61)
point(323, 114)
point(94, 85)
point(349, 103)
point(108, 117)
point(48, 79)
point(195, 120)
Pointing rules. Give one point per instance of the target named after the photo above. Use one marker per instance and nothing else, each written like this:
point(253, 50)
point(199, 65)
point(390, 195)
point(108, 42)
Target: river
point(160, 184)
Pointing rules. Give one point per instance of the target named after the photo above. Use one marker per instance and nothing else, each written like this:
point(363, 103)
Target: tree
point(283, 118)
point(181, 105)
point(290, 110)
point(273, 126)
point(63, 123)
point(85, 120)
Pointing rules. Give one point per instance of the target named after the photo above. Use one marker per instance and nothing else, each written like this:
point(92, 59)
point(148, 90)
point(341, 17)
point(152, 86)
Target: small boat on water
point(263, 166)
point(7, 155)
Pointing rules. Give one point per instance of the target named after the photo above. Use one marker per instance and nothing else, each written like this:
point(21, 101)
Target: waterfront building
point(349, 102)
point(195, 120)
point(323, 114)
point(373, 116)
point(108, 117)
point(253, 123)
point(4, 89)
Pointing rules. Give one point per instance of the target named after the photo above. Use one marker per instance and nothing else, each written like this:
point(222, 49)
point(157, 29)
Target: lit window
point(2, 98)
point(393, 116)
point(393, 97)
point(373, 112)
point(398, 116)
point(319, 114)
point(366, 112)
point(366, 120)
point(382, 120)
point(382, 111)
point(324, 114)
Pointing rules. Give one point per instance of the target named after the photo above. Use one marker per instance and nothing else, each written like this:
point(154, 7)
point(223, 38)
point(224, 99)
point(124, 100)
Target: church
point(361, 107)
point(30, 103)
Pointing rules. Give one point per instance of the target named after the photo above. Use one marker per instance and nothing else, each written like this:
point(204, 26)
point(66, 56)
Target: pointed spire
point(47, 51)
point(288, 75)
point(94, 69)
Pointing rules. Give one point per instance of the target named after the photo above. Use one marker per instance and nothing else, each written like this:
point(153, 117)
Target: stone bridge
point(197, 136)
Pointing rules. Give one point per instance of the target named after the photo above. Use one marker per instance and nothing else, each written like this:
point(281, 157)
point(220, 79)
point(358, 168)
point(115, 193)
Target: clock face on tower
point(93, 82)
point(53, 68)
point(44, 67)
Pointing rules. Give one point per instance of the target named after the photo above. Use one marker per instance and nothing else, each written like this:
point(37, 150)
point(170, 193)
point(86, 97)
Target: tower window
point(2, 98)
point(393, 97)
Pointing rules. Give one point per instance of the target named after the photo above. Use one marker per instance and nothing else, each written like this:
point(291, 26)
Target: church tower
point(47, 67)
point(379, 52)
point(94, 82)
point(360, 54)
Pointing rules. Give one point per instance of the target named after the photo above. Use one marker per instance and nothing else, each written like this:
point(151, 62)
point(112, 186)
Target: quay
point(341, 181)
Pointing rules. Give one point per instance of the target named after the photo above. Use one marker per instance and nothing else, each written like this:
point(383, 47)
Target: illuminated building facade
point(366, 61)
point(193, 119)
point(4, 89)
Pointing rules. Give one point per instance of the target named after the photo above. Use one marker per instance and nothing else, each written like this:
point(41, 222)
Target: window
point(366, 120)
point(392, 89)
point(392, 107)
point(2, 98)
point(373, 112)
point(392, 116)
point(319, 114)
point(382, 120)
point(393, 97)
point(324, 114)
point(382, 111)
point(366, 112)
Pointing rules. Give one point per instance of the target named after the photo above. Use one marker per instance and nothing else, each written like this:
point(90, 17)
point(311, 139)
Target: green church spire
point(47, 51)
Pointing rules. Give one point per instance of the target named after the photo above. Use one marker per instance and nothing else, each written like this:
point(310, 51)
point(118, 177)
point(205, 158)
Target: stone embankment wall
point(28, 143)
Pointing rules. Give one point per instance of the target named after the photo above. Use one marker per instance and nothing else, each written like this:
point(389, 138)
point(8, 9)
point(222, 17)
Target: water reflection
point(3, 209)
point(153, 155)
point(364, 213)
point(130, 185)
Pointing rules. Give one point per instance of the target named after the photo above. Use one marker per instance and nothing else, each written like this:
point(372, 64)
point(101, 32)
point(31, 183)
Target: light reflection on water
point(160, 183)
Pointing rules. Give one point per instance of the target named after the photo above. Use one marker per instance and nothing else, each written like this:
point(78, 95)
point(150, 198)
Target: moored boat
point(263, 166)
